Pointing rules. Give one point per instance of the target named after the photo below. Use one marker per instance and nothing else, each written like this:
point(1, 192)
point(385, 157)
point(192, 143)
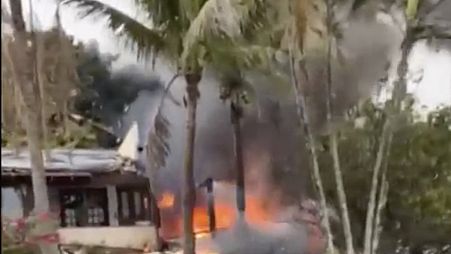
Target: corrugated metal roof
point(77, 160)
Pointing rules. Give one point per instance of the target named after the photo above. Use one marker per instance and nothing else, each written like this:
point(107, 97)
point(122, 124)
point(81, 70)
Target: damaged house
point(88, 188)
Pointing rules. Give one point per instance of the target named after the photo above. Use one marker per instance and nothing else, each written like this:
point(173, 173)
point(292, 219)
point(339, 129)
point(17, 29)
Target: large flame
point(262, 213)
point(225, 214)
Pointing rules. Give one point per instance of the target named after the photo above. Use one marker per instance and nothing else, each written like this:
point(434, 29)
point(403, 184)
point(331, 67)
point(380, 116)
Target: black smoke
point(105, 95)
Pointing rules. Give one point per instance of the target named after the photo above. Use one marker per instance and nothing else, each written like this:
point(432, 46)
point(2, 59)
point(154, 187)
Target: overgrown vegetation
point(418, 174)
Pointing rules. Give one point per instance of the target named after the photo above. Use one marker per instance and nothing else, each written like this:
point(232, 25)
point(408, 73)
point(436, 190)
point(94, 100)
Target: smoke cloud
point(116, 98)
point(275, 158)
point(365, 51)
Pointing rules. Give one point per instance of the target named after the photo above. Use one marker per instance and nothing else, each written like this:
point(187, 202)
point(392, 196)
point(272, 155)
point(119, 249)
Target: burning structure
point(276, 163)
point(267, 227)
point(275, 219)
point(275, 186)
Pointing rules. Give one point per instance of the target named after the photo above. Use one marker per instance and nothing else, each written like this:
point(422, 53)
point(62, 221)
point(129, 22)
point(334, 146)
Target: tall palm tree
point(312, 35)
point(415, 28)
point(249, 50)
point(232, 88)
point(182, 32)
point(300, 41)
point(342, 200)
point(20, 56)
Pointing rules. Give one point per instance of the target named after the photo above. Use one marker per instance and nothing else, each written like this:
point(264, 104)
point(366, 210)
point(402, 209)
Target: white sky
point(432, 91)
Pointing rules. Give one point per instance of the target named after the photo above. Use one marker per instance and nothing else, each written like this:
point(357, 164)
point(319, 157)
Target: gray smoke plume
point(116, 98)
point(366, 48)
point(264, 136)
point(270, 126)
point(275, 158)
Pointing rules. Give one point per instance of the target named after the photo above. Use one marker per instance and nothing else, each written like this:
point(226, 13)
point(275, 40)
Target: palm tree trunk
point(236, 112)
point(23, 66)
point(333, 140)
point(15, 138)
point(369, 227)
point(38, 55)
point(398, 95)
point(311, 144)
point(377, 230)
point(189, 195)
point(346, 222)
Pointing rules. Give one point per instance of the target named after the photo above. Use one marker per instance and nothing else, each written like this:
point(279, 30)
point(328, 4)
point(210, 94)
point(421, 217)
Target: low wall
point(133, 237)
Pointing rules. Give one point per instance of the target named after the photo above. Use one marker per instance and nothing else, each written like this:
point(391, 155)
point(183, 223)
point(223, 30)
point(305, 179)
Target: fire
point(166, 201)
point(260, 209)
point(225, 214)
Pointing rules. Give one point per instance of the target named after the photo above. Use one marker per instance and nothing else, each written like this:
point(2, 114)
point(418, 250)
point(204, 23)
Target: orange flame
point(166, 201)
point(225, 215)
point(257, 212)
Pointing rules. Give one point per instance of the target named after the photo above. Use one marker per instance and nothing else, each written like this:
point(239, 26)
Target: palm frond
point(223, 19)
point(234, 84)
point(226, 54)
point(140, 37)
point(157, 146)
point(171, 18)
point(163, 12)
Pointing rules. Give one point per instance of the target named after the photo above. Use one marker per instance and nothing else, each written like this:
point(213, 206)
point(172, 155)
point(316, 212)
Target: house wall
point(138, 238)
point(110, 182)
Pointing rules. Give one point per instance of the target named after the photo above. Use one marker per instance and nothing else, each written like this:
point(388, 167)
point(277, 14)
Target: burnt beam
point(208, 184)
point(211, 205)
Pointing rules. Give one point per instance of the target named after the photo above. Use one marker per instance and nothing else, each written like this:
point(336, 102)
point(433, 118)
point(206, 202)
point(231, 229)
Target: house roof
point(71, 161)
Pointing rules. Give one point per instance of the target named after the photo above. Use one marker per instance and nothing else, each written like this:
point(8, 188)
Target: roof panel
point(66, 159)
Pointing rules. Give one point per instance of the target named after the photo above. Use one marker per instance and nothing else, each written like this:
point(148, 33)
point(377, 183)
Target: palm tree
point(316, 32)
point(182, 32)
point(312, 35)
point(250, 51)
point(20, 57)
point(415, 28)
point(232, 88)
point(333, 134)
point(300, 39)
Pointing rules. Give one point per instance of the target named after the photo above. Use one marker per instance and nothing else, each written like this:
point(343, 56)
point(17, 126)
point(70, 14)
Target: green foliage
point(139, 36)
point(419, 173)
point(185, 32)
point(420, 170)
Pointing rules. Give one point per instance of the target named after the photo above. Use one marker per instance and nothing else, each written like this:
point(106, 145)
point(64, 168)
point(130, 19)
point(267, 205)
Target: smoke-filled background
point(275, 157)
point(270, 129)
